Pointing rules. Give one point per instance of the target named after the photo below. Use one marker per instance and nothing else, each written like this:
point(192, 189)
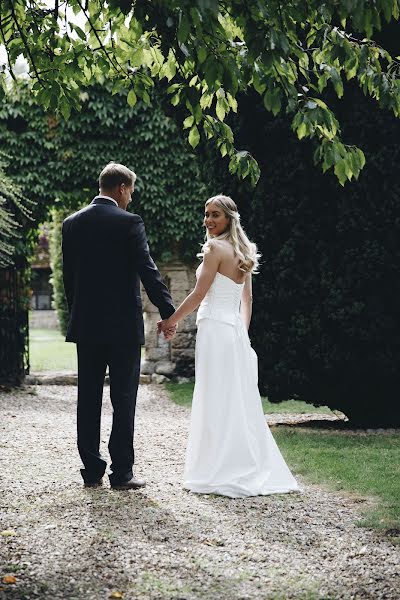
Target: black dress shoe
point(132, 484)
point(93, 484)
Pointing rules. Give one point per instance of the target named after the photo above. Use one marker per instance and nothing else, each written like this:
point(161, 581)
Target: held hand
point(168, 330)
point(169, 333)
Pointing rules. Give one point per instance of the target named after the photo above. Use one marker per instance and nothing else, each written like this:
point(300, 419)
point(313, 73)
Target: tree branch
point(115, 63)
point(6, 47)
point(24, 41)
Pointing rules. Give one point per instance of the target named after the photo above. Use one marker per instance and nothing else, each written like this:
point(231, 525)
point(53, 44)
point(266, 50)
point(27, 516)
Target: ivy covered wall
point(57, 163)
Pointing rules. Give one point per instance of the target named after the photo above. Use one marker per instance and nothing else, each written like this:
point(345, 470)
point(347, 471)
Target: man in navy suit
point(105, 256)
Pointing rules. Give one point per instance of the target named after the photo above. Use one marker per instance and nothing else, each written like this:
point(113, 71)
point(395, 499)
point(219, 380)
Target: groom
point(105, 255)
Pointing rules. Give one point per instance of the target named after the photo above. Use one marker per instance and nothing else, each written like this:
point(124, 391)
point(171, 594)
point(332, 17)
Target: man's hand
point(168, 330)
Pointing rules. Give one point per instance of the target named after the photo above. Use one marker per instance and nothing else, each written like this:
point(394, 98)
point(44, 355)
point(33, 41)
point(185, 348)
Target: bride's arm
point(208, 271)
point(246, 305)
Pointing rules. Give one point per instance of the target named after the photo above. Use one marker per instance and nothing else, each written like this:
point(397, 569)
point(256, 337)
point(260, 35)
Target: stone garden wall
point(175, 360)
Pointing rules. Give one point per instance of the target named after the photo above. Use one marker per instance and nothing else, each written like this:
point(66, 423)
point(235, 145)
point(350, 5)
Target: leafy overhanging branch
point(209, 51)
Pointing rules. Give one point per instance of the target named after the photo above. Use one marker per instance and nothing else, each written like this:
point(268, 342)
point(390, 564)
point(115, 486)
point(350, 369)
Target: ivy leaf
point(194, 136)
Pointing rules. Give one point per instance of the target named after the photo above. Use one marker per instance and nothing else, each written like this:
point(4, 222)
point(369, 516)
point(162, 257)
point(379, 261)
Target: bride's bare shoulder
point(223, 247)
point(214, 246)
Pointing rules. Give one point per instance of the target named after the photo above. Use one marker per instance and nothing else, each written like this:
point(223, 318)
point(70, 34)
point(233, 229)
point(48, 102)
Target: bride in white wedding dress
point(231, 450)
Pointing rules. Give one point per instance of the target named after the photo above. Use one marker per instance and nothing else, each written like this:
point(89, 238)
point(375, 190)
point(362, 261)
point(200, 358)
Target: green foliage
point(15, 210)
point(15, 245)
point(326, 319)
point(290, 54)
point(60, 302)
point(14, 305)
point(60, 161)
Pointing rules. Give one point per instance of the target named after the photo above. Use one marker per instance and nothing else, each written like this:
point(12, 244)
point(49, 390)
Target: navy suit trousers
point(123, 362)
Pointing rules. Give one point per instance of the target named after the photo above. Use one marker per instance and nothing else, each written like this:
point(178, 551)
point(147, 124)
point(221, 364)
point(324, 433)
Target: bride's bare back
point(229, 263)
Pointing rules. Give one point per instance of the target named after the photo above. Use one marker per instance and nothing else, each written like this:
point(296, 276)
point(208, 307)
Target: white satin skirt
point(231, 450)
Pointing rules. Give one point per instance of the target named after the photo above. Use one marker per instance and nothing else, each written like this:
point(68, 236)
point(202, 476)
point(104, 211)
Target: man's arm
point(68, 275)
point(150, 276)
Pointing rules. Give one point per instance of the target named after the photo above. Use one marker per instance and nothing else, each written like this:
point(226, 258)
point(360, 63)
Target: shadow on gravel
point(157, 552)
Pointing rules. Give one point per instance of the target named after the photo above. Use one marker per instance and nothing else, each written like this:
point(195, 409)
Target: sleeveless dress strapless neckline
point(230, 450)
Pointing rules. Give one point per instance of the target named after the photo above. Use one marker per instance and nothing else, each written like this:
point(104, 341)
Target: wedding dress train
point(230, 450)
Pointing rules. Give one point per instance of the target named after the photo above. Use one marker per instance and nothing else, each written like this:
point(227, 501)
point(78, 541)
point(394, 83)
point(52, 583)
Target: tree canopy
point(209, 51)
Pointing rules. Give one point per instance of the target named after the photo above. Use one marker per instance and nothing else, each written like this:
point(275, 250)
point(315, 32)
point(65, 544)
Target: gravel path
point(63, 541)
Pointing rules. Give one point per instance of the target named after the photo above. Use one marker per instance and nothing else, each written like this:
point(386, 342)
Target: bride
point(231, 450)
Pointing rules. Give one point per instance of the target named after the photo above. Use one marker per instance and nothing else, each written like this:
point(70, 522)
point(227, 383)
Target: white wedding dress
point(231, 450)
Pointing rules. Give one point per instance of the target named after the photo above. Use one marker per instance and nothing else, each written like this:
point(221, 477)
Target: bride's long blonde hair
point(242, 246)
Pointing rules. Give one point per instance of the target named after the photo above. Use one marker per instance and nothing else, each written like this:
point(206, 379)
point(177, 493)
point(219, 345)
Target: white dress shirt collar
point(107, 198)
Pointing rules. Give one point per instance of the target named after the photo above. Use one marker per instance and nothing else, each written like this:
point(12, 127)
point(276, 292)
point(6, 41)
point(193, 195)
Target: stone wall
point(170, 360)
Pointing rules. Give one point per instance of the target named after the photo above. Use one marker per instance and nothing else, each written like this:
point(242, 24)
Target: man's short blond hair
point(114, 174)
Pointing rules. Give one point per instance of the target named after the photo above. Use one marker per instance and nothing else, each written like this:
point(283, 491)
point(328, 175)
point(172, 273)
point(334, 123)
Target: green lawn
point(365, 464)
point(182, 394)
point(368, 464)
point(49, 352)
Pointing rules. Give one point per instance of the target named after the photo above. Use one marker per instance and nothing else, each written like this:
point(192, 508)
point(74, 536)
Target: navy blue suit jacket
point(105, 255)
